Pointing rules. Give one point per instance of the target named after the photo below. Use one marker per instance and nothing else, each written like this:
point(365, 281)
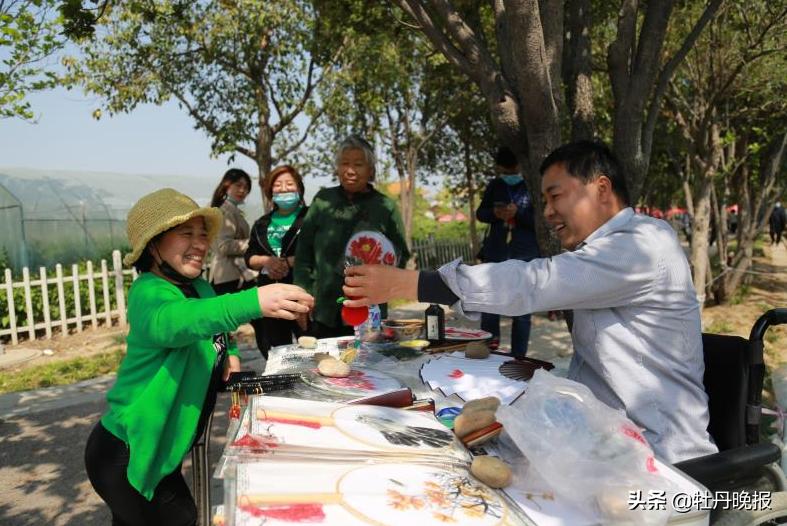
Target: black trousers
point(270, 332)
point(106, 461)
point(230, 286)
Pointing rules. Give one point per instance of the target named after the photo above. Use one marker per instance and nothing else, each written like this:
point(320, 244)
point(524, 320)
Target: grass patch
point(741, 294)
point(719, 327)
point(65, 372)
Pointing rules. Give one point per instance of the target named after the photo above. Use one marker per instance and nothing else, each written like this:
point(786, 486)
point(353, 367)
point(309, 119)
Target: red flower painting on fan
point(367, 249)
point(370, 248)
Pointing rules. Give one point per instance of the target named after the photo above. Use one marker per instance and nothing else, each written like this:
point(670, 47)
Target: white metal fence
point(432, 253)
point(102, 283)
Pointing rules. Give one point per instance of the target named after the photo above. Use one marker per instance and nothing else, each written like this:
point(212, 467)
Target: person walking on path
point(777, 222)
point(507, 207)
point(178, 354)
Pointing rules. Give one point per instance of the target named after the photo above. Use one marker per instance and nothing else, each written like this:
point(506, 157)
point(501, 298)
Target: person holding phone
point(508, 209)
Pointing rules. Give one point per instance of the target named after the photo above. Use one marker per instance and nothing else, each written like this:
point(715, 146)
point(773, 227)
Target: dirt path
point(767, 290)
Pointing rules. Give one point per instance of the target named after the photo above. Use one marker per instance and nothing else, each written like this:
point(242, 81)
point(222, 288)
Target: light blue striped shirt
point(636, 334)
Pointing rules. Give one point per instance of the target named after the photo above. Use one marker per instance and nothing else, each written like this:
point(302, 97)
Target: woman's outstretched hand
point(374, 284)
point(281, 300)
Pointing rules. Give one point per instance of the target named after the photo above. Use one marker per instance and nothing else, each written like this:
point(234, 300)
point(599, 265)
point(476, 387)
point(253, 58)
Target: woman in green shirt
point(177, 356)
point(272, 245)
point(334, 216)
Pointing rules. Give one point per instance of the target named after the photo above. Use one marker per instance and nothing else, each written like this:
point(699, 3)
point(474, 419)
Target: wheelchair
point(734, 375)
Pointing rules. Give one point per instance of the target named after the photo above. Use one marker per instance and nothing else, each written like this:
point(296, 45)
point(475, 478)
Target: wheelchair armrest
point(730, 464)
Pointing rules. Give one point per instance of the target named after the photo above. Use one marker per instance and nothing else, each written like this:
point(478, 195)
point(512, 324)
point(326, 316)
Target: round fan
point(370, 248)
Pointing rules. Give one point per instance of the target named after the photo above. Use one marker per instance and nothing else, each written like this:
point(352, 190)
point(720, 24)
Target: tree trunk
point(687, 187)
point(577, 69)
point(471, 191)
point(699, 237)
point(264, 157)
point(409, 196)
point(527, 64)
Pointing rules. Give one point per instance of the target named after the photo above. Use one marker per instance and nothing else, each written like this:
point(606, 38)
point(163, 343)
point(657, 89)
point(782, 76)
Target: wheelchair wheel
point(776, 515)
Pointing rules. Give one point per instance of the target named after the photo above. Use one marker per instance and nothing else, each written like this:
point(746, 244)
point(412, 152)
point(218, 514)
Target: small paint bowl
point(415, 344)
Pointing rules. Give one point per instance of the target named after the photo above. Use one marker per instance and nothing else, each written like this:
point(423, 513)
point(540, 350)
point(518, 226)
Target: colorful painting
point(289, 427)
point(380, 494)
point(463, 334)
point(470, 379)
point(361, 382)
point(370, 248)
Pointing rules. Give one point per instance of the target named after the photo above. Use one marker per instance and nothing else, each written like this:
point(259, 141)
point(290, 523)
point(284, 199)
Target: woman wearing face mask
point(272, 248)
point(228, 272)
point(178, 353)
point(508, 208)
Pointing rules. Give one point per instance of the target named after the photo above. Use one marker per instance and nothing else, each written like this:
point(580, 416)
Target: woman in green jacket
point(178, 354)
point(334, 216)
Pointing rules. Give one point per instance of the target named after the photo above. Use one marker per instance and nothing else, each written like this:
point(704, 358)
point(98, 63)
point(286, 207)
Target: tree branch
point(669, 70)
point(620, 52)
point(287, 151)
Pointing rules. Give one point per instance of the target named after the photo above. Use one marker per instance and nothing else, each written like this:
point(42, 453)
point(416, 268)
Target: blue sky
point(150, 140)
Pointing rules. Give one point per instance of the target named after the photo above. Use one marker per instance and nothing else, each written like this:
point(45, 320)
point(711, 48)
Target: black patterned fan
point(523, 368)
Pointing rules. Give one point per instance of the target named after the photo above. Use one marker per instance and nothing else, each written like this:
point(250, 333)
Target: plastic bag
point(588, 453)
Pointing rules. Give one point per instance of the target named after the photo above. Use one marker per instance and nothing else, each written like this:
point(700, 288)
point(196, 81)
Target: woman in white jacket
point(228, 271)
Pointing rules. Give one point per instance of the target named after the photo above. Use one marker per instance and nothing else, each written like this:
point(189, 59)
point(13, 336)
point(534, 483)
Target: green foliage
point(61, 373)
point(242, 69)
point(5, 261)
point(28, 35)
point(741, 294)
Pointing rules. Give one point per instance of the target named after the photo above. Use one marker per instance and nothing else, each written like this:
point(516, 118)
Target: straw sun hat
point(158, 212)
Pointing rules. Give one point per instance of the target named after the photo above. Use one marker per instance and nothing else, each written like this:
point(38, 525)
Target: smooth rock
point(488, 403)
point(333, 368)
point(477, 350)
point(491, 471)
point(307, 342)
point(466, 423)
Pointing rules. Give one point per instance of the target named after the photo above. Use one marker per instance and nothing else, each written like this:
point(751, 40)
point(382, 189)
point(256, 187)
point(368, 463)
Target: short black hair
point(587, 160)
point(145, 261)
point(506, 158)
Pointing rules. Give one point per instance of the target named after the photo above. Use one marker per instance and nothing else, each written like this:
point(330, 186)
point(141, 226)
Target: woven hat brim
point(213, 218)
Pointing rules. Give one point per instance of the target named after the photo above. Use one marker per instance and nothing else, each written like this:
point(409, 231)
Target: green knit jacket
point(155, 404)
point(331, 221)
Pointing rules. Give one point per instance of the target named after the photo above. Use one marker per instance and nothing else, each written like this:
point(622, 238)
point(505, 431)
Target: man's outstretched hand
point(375, 284)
